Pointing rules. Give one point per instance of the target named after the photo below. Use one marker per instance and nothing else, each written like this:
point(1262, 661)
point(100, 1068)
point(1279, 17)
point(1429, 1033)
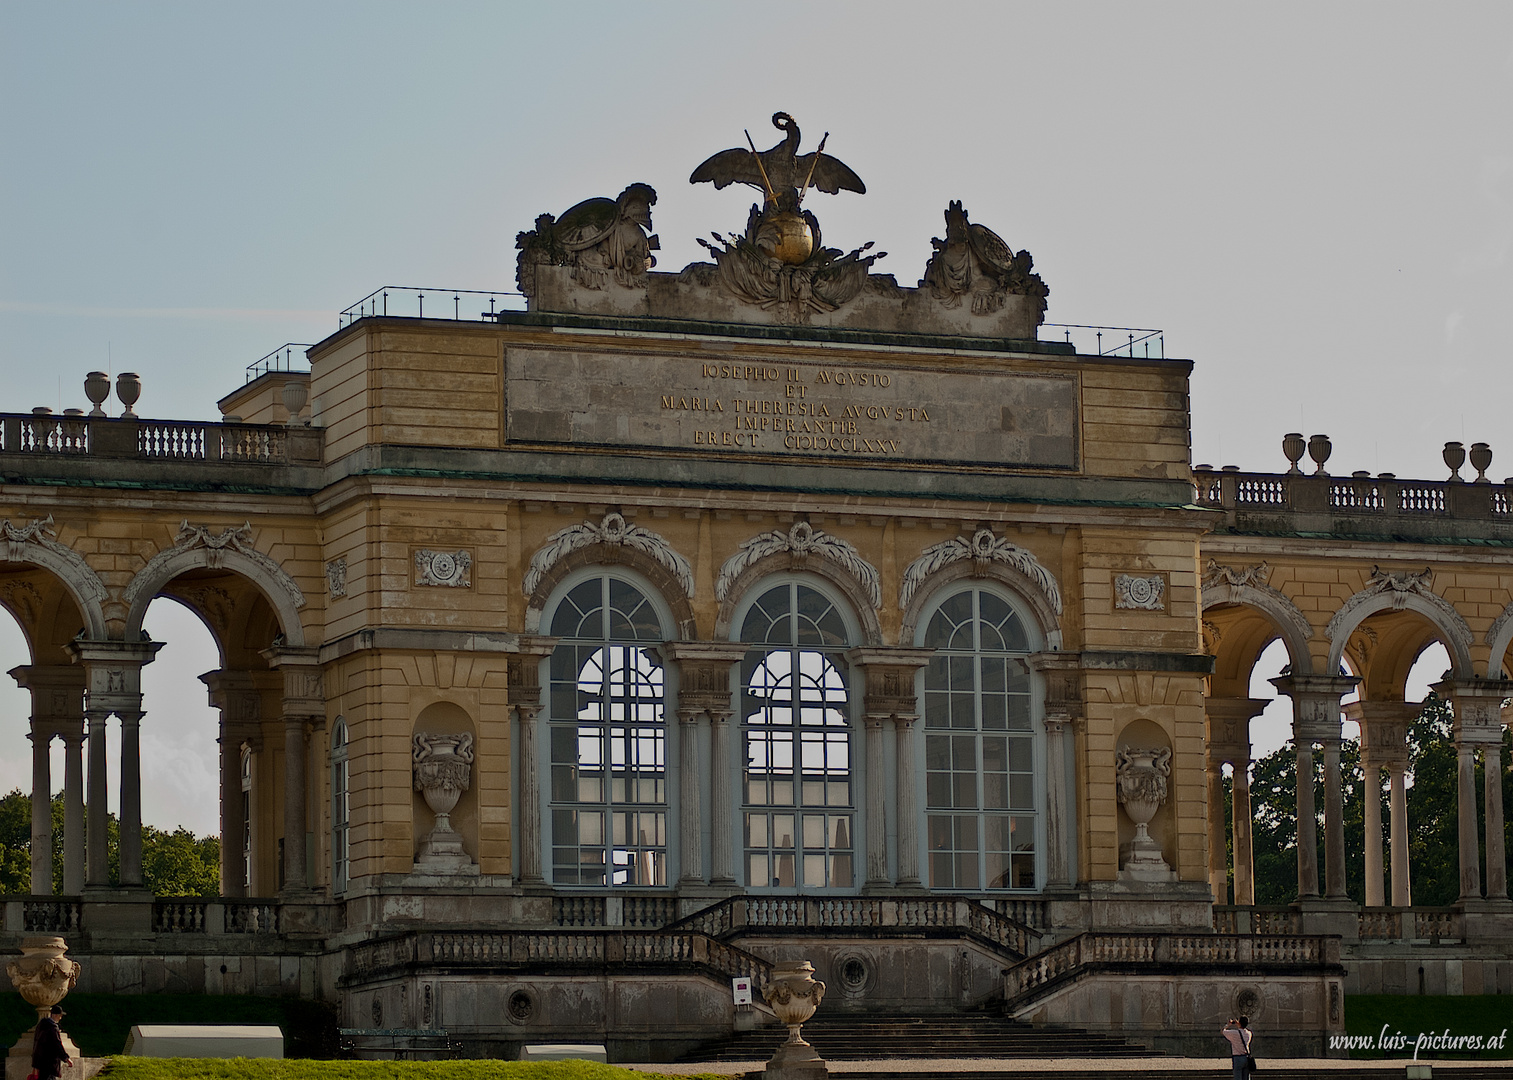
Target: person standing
point(1237, 1032)
point(48, 1054)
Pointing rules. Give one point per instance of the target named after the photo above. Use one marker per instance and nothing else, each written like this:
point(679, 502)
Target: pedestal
point(793, 1061)
point(19, 1062)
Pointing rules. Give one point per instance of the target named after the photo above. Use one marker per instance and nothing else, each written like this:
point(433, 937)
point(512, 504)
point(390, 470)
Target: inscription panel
point(792, 408)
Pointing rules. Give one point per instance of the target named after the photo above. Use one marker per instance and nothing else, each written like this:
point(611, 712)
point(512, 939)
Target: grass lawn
point(1488, 1015)
point(133, 1068)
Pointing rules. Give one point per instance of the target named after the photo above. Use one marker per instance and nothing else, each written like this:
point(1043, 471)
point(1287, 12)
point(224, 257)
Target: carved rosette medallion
point(1142, 774)
point(1140, 592)
point(443, 765)
point(452, 569)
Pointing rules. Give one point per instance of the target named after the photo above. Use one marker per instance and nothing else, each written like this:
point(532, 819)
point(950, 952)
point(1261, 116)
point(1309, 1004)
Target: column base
point(796, 1061)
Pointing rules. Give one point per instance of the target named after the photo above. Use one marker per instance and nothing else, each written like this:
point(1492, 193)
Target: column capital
point(304, 694)
point(523, 668)
point(704, 672)
point(1062, 674)
point(1384, 729)
point(1478, 708)
point(1228, 723)
point(1315, 704)
point(890, 679)
point(113, 670)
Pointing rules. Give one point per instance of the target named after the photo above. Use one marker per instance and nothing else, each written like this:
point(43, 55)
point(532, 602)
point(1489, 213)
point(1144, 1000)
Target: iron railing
point(412, 300)
point(1128, 341)
point(283, 358)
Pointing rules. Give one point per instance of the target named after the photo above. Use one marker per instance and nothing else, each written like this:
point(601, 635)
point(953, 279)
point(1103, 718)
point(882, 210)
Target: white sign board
point(741, 988)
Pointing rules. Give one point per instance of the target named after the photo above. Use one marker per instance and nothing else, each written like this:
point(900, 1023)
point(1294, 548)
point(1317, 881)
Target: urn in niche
point(794, 993)
point(1142, 783)
point(443, 766)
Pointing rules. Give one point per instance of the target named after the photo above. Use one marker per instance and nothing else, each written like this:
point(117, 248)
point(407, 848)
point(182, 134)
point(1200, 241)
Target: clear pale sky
point(1313, 201)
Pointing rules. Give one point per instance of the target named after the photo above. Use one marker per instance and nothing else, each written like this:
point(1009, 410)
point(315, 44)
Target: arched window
point(799, 819)
point(981, 789)
point(341, 807)
point(608, 735)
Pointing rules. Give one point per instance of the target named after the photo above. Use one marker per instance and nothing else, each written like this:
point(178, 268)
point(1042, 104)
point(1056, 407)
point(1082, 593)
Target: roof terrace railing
point(412, 301)
point(158, 440)
point(283, 358)
point(1128, 341)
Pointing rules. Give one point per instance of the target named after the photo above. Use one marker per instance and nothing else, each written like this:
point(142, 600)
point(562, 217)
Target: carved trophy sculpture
point(1142, 774)
point(43, 976)
point(779, 263)
point(603, 242)
point(442, 767)
point(974, 264)
point(793, 993)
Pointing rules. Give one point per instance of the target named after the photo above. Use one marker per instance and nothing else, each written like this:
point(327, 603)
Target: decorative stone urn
point(128, 389)
point(443, 764)
point(97, 389)
point(1142, 774)
point(44, 977)
point(794, 993)
point(294, 395)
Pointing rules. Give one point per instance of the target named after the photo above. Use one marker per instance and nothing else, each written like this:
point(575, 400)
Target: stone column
point(524, 674)
point(691, 848)
point(908, 803)
point(1061, 676)
point(42, 810)
point(1478, 724)
point(1497, 865)
point(131, 798)
point(57, 695)
point(889, 675)
point(97, 865)
point(73, 808)
point(705, 688)
point(1245, 877)
point(1373, 813)
point(1227, 723)
point(1334, 823)
point(1402, 893)
point(1384, 744)
point(304, 703)
point(1218, 863)
point(113, 681)
point(1316, 719)
point(236, 695)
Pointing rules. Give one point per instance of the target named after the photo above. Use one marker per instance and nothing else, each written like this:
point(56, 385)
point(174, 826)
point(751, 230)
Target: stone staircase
point(843, 1038)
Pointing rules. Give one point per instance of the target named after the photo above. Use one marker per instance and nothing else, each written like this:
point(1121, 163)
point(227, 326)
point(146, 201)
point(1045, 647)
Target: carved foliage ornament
point(974, 263)
point(615, 531)
point(442, 762)
point(1399, 588)
point(983, 549)
point(602, 240)
point(1140, 592)
point(216, 546)
point(40, 533)
point(452, 569)
point(1218, 574)
point(800, 542)
point(336, 577)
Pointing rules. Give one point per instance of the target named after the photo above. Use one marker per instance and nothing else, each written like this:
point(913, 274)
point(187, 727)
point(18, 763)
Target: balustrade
point(179, 916)
point(152, 440)
point(52, 916)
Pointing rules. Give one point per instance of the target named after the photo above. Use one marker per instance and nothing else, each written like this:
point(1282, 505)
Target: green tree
point(176, 863)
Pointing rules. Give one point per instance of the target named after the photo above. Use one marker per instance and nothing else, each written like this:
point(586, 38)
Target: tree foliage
point(176, 863)
point(1433, 831)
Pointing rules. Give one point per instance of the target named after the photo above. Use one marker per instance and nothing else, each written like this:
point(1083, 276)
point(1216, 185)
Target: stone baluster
point(1477, 704)
point(889, 675)
point(1316, 719)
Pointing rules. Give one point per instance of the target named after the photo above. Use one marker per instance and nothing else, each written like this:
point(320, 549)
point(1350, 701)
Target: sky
point(1314, 202)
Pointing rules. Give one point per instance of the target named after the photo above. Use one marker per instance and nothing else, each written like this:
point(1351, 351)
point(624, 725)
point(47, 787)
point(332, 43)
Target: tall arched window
point(341, 807)
point(981, 797)
point(608, 738)
point(799, 819)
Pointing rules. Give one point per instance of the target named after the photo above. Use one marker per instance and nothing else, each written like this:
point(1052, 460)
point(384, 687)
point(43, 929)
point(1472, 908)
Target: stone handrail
point(180, 916)
point(252, 916)
point(651, 912)
point(1356, 497)
point(159, 440)
point(1140, 952)
point(52, 915)
point(847, 914)
point(1373, 924)
point(558, 948)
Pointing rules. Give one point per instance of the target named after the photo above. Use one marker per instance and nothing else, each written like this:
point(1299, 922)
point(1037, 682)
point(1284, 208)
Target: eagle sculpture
point(782, 173)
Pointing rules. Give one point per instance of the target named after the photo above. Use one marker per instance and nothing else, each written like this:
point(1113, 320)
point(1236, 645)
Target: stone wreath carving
point(602, 240)
point(800, 542)
point(973, 263)
point(216, 545)
point(1139, 592)
point(983, 549)
point(41, 533)
point(615, 531)
point(451, 569)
